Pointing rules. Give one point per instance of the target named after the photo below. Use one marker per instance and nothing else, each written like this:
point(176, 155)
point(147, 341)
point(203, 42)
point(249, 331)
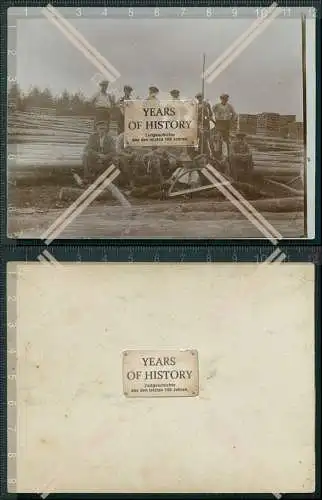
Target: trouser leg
point(127, 175)
point(103, 114)
point(234, 164)
point(156, 172)
point(94, 168)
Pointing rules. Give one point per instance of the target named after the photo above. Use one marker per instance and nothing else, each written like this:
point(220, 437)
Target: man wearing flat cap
point(99, 151)
point(225, 115)
point(152, 98)
point(120, 107)
point(241, 159)
point(175, 94)
point(103, 103)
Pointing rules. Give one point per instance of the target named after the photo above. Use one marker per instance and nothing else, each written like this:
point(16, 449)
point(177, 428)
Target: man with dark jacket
point(204, 118)
point(225, 115)
point(241, 159)
point(99, 152)
point(120, 108)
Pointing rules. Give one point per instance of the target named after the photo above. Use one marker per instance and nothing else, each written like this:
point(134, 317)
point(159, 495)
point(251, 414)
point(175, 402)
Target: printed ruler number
point(183, 11)
point(210, 12)
point(79, 11)
point(131, 12)
point(234, 12)
point(262, 12)
point(156, 12)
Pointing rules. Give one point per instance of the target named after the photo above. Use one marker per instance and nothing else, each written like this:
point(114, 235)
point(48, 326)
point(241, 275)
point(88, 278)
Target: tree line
point(66, 103)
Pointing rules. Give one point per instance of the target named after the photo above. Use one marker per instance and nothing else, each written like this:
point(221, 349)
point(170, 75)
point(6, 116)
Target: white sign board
point(160, 373)
point(156, 123)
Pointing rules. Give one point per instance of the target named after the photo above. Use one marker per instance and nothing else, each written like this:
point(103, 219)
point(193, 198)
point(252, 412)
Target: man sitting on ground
point(99, 152)
point(139, 166)
point(241, 159)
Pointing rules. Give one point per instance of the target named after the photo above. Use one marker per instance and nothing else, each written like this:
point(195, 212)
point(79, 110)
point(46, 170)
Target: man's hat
point(240, 134)
point(224, 95)
point(104, 83)
point(174, 92)
point(153, 88)
point(128, 87)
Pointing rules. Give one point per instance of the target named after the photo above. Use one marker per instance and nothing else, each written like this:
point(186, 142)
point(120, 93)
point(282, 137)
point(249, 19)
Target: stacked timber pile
point(27, 127)
point(44, 149)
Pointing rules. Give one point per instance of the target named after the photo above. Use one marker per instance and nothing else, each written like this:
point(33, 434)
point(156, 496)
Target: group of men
point(143, 165)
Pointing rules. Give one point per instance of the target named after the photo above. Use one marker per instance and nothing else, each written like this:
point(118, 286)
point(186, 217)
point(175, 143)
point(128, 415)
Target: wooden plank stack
point(44, 148)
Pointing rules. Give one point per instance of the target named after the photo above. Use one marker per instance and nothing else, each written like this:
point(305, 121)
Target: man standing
point(121, 110)
point(224, 115)
point(175, 94)
point(204, 119)
point(99, 152)
point(241, 159)
point(103, 103)
point(152, 98)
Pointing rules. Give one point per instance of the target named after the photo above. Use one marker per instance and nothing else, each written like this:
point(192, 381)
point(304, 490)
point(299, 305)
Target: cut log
point(283, 189)
point(295, 204)
point(111, 191)
point(278, 171)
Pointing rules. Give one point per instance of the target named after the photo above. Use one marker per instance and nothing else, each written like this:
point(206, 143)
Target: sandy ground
point(146, 219)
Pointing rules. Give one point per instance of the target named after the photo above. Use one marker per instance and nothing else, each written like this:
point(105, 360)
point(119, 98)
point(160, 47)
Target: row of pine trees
point(64, 104)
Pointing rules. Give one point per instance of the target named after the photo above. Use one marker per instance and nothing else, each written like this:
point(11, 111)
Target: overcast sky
point(168, 53)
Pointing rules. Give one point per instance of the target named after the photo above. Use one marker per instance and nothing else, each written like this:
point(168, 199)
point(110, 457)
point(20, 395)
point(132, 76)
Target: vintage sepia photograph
point(161, 123)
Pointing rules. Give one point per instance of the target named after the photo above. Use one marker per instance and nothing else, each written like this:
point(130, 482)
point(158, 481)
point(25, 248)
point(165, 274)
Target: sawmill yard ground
point(33, 209)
